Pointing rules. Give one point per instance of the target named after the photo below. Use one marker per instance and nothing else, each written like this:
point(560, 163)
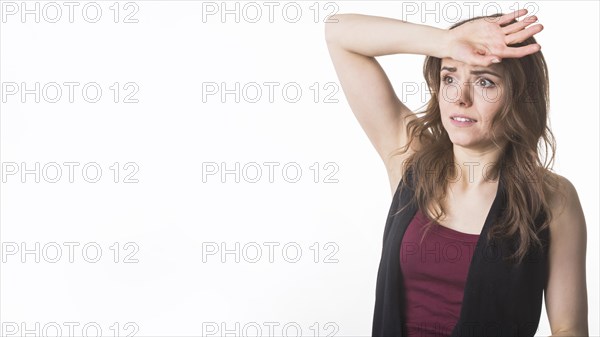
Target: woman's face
point(475, 93)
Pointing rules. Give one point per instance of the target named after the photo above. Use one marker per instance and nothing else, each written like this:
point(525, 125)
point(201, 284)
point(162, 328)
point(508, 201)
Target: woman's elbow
point(333, 27)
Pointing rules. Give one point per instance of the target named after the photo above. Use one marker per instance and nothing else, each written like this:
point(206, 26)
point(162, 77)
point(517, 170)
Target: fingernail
point(495, 61)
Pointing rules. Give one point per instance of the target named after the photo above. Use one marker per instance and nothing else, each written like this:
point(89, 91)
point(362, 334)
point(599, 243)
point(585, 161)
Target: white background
point(171, 215)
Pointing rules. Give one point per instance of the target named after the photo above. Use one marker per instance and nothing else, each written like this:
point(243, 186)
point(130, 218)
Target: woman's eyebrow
point(474, 72)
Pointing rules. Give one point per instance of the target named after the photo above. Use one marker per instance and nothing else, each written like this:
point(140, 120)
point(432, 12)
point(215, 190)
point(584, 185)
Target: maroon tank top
point(434, 273)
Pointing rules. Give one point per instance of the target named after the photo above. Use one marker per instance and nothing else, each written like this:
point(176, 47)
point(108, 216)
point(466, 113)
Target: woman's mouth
point(462, 121)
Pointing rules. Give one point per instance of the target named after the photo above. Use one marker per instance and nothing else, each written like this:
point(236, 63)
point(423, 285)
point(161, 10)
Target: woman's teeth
point(461, 119)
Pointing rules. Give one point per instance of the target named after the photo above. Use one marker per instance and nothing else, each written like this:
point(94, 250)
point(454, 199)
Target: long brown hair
point(526, 138)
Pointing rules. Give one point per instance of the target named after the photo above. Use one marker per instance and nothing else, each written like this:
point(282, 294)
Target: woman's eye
point(484, 81)
point(445, 78)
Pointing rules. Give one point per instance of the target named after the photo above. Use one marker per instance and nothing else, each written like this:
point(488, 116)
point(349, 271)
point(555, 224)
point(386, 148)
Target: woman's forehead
point(457, 66)
point(454, 65)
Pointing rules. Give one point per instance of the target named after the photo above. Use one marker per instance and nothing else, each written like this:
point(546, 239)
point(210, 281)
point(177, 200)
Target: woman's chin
point(472, 144)
point(460, 141)
point(467, 143)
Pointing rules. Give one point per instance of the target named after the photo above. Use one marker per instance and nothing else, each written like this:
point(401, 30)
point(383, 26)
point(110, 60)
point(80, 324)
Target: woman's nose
point(464, 94)
point(458, 94)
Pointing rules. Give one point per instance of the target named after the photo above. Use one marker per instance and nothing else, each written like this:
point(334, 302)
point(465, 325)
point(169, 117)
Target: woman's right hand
point(481, 41)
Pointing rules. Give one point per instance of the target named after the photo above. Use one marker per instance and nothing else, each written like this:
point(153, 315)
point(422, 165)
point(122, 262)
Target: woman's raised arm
point(354, 41)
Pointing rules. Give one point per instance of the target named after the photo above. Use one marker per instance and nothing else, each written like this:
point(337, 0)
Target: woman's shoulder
point(564, 201)
point(559, 188)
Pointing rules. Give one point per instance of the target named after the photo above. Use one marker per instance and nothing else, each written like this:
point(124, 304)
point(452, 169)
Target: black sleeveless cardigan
point(500, 298)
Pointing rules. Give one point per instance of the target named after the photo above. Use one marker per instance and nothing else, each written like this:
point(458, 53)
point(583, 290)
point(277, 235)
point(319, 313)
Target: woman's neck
point(476, 167)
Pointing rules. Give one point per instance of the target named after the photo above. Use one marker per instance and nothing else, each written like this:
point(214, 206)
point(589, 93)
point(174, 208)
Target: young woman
point(479, 228)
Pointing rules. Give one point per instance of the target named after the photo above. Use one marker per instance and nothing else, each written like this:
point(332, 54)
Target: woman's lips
point(462, 121)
